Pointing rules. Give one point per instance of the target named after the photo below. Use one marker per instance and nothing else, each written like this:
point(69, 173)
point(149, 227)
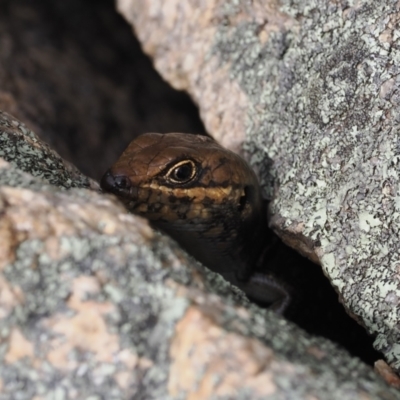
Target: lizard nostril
point(122, 182)
point(111, 183)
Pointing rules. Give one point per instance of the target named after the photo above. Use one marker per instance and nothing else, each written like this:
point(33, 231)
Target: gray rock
point(25, 150)
point(95, 304)
point(311, 90)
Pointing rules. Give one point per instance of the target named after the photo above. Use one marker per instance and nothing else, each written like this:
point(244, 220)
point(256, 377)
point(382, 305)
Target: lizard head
point(176, 177)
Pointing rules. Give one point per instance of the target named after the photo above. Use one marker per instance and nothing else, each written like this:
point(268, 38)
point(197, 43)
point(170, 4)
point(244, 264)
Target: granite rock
point(309, 91)
point(95, 304)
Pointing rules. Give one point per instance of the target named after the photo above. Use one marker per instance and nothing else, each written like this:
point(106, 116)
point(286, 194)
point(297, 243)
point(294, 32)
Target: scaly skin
point(204, 196)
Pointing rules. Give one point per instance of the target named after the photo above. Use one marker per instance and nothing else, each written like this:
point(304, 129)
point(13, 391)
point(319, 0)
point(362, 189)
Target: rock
point(23, 148)
point(310, 89)
point(94, 303)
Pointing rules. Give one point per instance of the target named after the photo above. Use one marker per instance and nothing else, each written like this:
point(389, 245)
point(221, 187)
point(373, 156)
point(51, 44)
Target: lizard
point(205, 197)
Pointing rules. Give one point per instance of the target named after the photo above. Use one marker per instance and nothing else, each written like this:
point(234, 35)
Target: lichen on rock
point(316, 87)
point(22, 147)
point(93, 302)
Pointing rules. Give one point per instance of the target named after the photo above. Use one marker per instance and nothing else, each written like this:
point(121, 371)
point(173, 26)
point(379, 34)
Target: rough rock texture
point(74, 71)
point(23, 148)
point(94, 304)
point(312, 89)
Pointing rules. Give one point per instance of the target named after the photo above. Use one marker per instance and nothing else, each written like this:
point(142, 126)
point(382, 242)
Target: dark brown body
point(204, 196)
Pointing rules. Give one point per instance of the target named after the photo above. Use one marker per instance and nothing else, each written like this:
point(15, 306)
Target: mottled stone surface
point(20, 146)
point(95, 304)
point(312, 90)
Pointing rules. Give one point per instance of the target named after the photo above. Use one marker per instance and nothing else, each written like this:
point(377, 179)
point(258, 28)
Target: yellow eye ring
point(182, 172)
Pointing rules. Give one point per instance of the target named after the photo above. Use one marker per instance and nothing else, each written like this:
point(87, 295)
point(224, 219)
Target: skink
point(205, 197)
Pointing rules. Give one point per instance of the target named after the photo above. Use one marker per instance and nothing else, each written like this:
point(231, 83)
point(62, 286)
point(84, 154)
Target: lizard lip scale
point(205, 197)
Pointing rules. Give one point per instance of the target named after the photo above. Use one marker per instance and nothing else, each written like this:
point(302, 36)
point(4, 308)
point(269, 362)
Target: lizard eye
point(182, 172)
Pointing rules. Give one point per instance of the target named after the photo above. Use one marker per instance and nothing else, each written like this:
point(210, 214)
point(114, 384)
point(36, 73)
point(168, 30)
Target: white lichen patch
point(324, 107)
